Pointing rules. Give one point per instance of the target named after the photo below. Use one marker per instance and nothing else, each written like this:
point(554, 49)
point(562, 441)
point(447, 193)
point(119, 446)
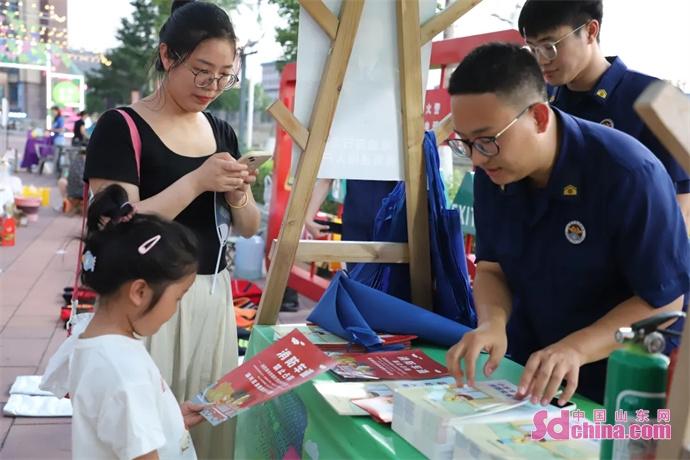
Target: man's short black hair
point(505, 69)
point(541, 16)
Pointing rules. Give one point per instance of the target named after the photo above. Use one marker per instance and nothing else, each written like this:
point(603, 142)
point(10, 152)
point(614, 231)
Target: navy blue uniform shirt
point(605, 228)
point(610, 103)
point(362, 202)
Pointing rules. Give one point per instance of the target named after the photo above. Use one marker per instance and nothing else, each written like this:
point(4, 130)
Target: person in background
point(71, 188)
point(57, 127)
point(564, 37)
point(362, 201)
point(58, 130)
point(80, 135)
point(188, 164)
point(90, 123)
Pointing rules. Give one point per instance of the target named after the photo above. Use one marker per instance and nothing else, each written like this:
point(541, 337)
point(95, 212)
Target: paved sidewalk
point(33, 273)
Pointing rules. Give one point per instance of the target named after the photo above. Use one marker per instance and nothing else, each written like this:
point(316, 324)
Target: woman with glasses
point(188, 159)
point(564, 37)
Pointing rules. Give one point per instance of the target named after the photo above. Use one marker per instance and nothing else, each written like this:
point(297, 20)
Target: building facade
point(270, 79)
point(33, 51)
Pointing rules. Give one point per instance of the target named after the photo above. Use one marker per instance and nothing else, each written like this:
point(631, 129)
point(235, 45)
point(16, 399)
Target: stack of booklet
point(427, 417)
point(373, 399)
point(501, 440)
point(381, 372)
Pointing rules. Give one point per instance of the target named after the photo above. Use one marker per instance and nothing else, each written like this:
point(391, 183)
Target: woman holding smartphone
point(187, 155)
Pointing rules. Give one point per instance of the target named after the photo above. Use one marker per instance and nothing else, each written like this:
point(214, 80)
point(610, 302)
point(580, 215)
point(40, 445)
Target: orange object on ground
point(8, 231)
point(72, 206)
point(245, 317)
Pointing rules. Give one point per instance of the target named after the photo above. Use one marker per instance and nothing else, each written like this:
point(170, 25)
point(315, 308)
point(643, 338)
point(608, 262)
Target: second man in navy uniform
point(564, 37)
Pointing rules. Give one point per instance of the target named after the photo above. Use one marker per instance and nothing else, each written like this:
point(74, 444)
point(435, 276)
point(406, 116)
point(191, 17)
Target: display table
point(301, 424)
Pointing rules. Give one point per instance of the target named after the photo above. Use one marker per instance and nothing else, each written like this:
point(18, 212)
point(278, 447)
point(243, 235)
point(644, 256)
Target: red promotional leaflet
point(387, 365)
point(380, 407)
point(286, 364)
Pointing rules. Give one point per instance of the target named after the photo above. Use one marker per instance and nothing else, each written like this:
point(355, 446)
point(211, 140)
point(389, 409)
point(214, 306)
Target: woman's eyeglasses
point(204, 79)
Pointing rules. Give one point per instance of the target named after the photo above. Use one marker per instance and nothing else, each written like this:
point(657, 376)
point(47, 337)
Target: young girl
point(140, 266)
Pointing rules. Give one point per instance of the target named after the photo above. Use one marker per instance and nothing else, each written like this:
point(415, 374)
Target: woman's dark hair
point(189, 24)
point(505, 69)
point(113, 251)
point(83, 113)
point(542, 16)
point(56, 108)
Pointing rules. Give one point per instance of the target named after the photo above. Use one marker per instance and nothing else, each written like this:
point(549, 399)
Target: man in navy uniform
point(564, 37)
point(578, 230)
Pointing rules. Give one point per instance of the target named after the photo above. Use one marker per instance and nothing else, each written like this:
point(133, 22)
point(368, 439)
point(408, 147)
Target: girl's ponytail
point(122, 246)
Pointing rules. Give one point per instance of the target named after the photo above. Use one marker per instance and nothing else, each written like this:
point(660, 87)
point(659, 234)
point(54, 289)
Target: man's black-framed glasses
point(485, 145)
point(549, 51)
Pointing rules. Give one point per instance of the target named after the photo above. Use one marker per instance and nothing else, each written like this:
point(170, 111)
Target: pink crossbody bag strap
point(136, 145)
point(136, 139)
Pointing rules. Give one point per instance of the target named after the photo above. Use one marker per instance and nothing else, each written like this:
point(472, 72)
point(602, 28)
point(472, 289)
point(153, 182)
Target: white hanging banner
point(365, 141)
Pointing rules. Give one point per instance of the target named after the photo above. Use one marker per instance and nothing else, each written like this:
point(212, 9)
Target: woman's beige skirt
point(197, 347)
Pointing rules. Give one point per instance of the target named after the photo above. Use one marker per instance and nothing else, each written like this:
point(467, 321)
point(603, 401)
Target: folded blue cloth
point(357, 313)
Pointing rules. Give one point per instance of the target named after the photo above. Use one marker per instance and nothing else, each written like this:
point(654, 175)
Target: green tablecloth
point(302, 424)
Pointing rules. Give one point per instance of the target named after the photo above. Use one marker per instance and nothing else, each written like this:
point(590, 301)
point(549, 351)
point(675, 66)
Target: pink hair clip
point(148, 244)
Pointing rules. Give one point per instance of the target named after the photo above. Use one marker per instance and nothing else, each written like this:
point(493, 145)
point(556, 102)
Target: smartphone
point(569, 405)
point(254, 160)
point(333, 227)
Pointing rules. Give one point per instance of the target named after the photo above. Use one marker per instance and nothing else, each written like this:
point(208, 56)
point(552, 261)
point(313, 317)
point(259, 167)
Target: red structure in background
point(437, 104)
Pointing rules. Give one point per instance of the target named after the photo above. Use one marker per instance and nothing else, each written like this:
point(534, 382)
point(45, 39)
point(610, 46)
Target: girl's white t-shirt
point(122, 407)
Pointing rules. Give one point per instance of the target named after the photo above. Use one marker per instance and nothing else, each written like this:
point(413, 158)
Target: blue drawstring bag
point(356, 313)
point(390, 225)
point(452, 296)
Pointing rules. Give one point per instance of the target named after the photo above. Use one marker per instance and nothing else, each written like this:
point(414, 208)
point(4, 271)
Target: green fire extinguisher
point(636, 378)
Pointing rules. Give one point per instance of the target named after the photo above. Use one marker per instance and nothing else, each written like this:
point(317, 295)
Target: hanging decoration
point(28, 35)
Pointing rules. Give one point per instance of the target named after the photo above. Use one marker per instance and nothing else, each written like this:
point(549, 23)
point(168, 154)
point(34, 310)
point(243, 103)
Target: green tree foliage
point(261, 100)
point(229, 101)
point(130, 62)
point(287, 36)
